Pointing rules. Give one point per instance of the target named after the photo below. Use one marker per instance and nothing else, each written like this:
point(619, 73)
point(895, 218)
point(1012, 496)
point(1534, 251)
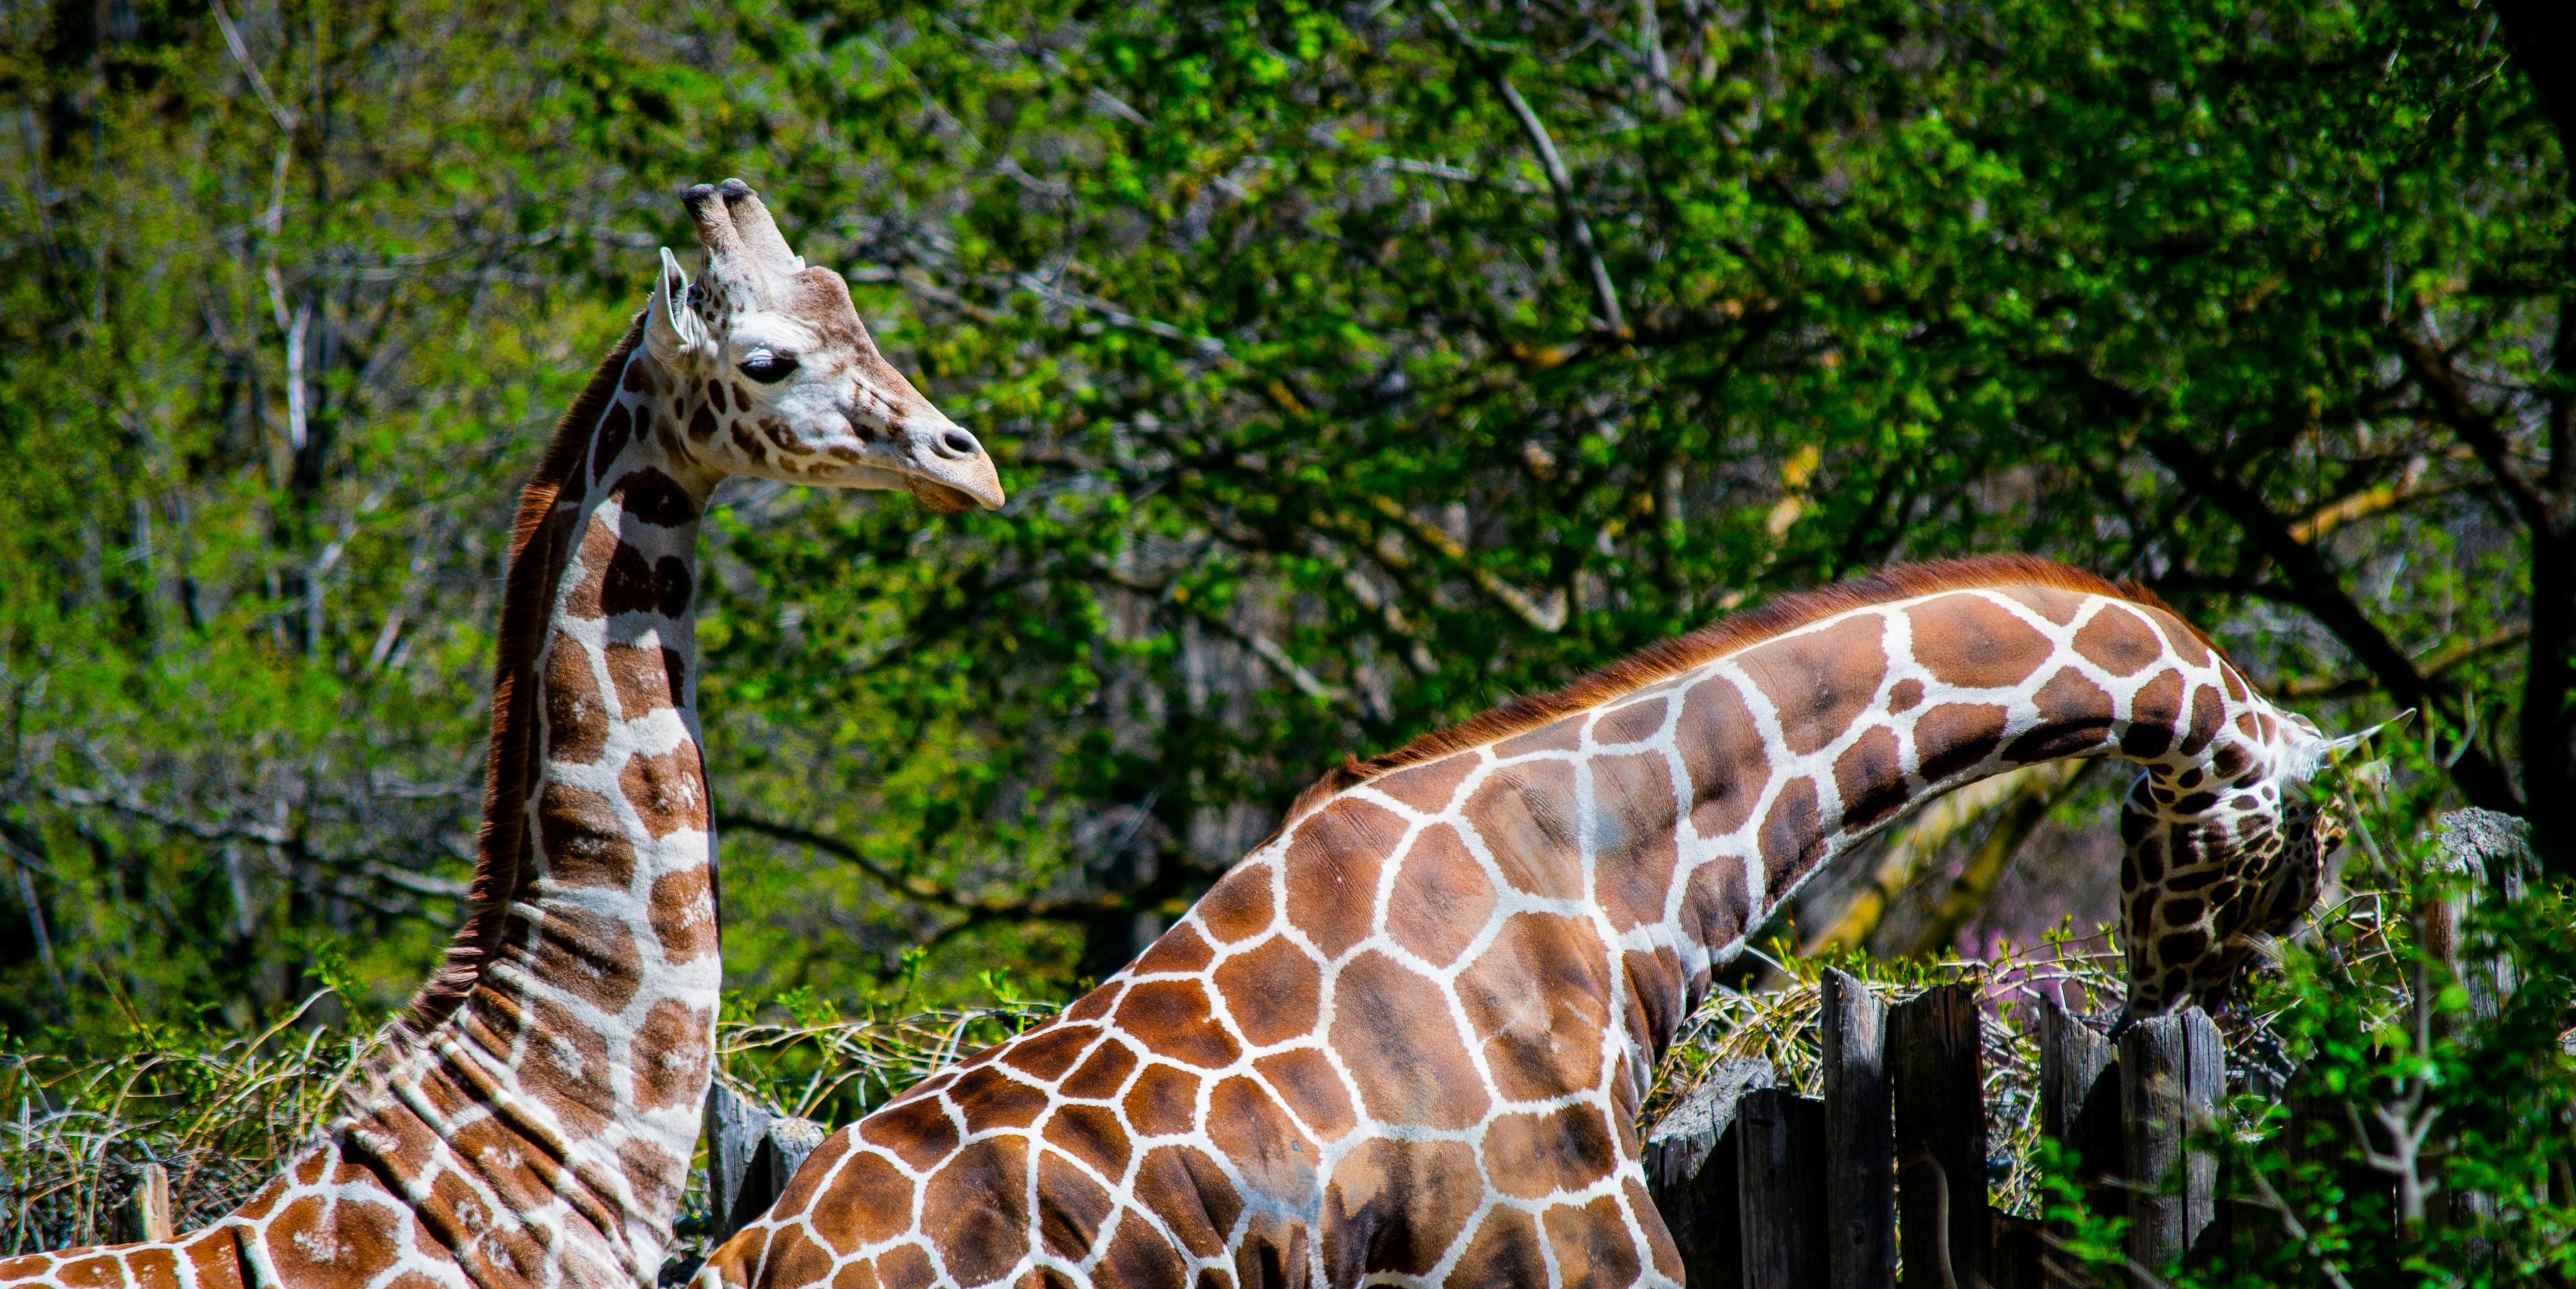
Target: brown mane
point(1718, 639)
point(500, 866)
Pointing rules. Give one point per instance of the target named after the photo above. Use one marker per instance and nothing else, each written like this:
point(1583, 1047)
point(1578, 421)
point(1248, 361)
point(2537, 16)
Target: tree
point(1355, 367)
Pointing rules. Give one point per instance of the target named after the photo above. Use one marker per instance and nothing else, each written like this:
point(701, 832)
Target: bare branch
point(1261, 646)
point(2409, 487)
point(1453, 174)
point(1605, 293)
point(2453, 407)
point(1548, 617)
point(1578, 232)
point(258, 84)
point(922, 889)
point(2433, 665)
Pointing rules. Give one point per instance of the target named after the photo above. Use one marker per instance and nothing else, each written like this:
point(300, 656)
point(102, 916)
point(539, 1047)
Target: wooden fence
point(1767, 1189)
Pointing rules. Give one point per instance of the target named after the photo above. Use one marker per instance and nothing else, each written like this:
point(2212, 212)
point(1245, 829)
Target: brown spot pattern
point(1973, 643)
point(668, 791)
point(1395, 1035)
point(1441, 897)
point(576, 720)
point(1818, 681)
point(1272, 992)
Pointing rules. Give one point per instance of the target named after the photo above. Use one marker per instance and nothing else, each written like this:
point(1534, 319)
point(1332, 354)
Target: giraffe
point(531, 1117)
point(1404, 1041)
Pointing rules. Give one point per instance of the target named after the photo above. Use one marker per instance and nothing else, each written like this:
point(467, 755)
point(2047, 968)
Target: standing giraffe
point(531, 1119)
point(1405, 1040)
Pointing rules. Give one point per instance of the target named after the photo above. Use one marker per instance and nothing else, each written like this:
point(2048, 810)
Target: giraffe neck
point(566, 1086)
point(530, 1122)
point(1408, 1036)
point(541, 1125)
point(1679, 816)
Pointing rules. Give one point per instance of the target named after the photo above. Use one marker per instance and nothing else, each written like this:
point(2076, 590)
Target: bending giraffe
point(531, 1120)
point(1405, 1040)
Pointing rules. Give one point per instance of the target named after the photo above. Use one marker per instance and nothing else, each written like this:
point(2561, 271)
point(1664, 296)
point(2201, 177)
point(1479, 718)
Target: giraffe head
point(2223, 855)
point(779, 378)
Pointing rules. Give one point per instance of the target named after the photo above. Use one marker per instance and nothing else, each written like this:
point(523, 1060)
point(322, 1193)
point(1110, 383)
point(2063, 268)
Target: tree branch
point(2315, 588)
point(2432, 665)
point(922, 889)
point(1261, 646)
point(1548, 617)
point(2476, 427)
point(1578, 231)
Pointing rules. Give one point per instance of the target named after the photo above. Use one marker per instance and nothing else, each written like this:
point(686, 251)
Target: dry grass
point(222, 1116)
point(1779, 1024)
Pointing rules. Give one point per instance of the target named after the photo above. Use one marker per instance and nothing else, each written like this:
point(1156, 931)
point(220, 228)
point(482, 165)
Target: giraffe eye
point(768, 366)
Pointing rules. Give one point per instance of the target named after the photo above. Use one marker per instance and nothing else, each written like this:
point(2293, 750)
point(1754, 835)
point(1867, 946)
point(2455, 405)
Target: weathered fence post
point(2079, 1101)
point(147, 1214)
point(2171, 1071)
point(735, 1125)
point(1782, 1140)
point(751, 1153)
point(2493, 850)
point(1936, 1068)
point(1694, 1172)
point(1860, 1140)
point(782, 1151)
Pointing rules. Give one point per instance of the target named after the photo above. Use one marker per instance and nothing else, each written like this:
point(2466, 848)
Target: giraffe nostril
point(958, 443)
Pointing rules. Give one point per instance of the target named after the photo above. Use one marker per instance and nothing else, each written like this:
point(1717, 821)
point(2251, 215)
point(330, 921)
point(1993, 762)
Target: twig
point(928, 892)
point(258, 84)
point(1548, 617)
point(1578, 232)
point(2296, 1230)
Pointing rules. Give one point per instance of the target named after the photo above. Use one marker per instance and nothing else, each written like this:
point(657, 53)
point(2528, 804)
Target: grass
point(221, 1115)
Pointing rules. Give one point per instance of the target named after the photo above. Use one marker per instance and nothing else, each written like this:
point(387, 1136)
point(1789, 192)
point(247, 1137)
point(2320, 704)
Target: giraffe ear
point(673, 331)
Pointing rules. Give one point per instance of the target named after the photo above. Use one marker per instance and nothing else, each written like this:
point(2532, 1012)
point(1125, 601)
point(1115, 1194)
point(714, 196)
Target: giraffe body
point(1405, 1040)
point(532, 1117)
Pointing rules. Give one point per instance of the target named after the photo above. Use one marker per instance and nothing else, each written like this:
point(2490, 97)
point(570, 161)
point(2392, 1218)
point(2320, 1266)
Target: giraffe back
point(1405, 1040)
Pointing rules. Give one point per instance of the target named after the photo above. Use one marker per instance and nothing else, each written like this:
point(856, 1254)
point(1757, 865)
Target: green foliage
point(2419, 1126)
point(1317, 424)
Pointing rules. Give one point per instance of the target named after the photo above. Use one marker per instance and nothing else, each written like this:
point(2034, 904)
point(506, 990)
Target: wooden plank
point(1936, 1072)
point(2079, 1103)
point(782, 1150)
point(147, 1211)
point(1860, 1137)
point(1692, 1171)
point(735, 1127)
point(2320, 1133)
point(2171, 1072)
point(1781, 1151)
point(2020, 1253)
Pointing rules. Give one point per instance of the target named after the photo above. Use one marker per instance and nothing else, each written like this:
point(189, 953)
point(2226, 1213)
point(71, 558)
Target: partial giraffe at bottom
point(1405, 1040)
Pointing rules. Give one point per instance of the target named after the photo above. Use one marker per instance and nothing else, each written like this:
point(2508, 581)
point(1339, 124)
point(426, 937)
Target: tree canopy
point(1352, 368)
